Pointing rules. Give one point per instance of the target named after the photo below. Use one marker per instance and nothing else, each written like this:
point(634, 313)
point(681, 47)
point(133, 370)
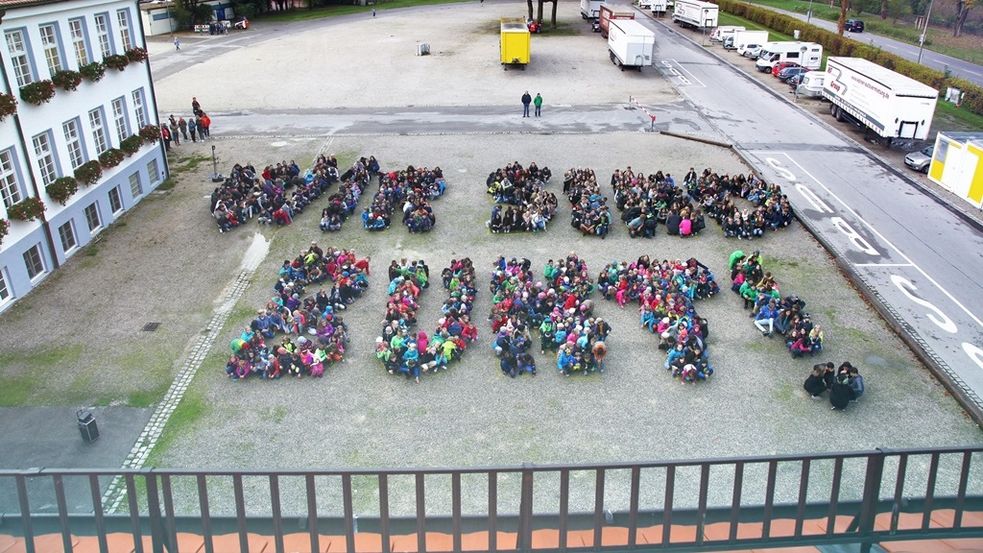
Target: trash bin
point(87, 426)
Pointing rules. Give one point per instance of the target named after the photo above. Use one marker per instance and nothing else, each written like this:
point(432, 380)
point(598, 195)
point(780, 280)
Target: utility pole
point(809, 12)
point(921, 38)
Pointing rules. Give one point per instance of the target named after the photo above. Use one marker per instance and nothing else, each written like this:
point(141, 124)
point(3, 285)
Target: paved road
point(967, 70)
point(913, 252)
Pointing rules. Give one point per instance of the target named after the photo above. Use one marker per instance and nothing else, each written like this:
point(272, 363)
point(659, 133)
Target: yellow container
point(514, 41)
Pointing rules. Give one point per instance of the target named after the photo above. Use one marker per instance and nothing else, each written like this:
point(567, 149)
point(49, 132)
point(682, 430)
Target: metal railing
point(863, 498)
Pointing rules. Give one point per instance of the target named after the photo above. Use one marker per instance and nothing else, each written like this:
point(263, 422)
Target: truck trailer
point(876, 98)
point(590, 9)
point(724, 32)
point(630, 44)
point(514, 42)
point(694, 13)
point(659, 7)
point(611, 11)
point(742, 39)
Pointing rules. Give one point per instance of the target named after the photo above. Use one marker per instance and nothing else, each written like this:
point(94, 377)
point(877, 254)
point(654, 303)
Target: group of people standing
point(844, 384)
point(666, 293)
point(646, 201)
point(197, 126)
point(591, 215)
point(398, 348)
point(522, 203)
point(314, 334)
point(411, 190)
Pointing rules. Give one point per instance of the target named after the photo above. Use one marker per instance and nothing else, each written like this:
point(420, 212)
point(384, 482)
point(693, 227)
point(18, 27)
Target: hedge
point(835, 45)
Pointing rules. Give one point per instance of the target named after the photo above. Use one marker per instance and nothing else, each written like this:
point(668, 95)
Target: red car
point(779, 66)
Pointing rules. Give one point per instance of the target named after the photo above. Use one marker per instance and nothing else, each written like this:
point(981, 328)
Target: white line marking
point(690, 73)
point(886, 241)
point(883, 265)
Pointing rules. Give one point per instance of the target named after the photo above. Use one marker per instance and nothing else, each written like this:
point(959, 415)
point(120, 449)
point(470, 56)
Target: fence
point(862, 498)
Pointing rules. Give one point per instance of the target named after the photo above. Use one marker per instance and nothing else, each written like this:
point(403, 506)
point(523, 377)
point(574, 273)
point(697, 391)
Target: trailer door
point(908, 129)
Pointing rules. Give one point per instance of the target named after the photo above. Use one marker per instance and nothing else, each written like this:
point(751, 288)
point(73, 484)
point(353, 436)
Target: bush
point(131, 144)
point(4, 229)
point(27, 209)
point(136, 55)
point(93, 72)
point(150, 133)
point(111, 158)
point(62, 189)
point(116, 61)
point(89, 172)
point(38, 92)
point(8, 105)
point(67, 80)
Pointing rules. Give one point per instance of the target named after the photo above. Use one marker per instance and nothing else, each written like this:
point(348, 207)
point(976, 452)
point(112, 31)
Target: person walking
point(538, 101)
point(183, 125)
point(373, 12)
point(177, 44)
point(526, 100)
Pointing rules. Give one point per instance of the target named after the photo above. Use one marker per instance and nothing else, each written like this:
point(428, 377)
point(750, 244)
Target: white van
point(812, 84)
point(724, 31)
point(644, 4)
point(806, 54)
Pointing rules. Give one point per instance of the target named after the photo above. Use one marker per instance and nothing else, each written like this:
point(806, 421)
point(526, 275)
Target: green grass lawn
point(728, 19)
point(939, 39)
point(333, 11)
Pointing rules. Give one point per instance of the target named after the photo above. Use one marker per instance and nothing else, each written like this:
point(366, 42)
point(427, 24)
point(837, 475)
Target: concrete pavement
point(960, 68)
point(912, 253)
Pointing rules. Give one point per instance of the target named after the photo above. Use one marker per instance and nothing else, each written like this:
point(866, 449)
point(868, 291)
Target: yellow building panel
point(976, 184)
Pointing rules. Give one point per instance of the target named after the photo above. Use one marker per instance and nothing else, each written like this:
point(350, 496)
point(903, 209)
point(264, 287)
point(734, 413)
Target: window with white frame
point(67, 234)
point(9, 185)
point(34, 261)
point(73, 139)
point(4, 291)
point(45, 158)
point(115, 201)
point(139, 108)
point(79, 44)
point(102, 31)
point(119, 118)
point(136, 187)
point(49, 44)
point(98, 130)
point(92, 217)
point(153, 171)
point(123, 18)
point(17, 49)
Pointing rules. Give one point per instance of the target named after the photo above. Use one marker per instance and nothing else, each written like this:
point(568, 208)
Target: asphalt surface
point(961, 68)
point(913, 252)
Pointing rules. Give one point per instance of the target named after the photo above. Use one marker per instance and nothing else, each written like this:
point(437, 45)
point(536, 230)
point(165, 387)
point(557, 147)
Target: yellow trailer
point(514, 41)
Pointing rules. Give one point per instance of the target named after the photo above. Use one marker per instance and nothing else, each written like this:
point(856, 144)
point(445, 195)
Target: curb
point(695, 138)
point(968, 399)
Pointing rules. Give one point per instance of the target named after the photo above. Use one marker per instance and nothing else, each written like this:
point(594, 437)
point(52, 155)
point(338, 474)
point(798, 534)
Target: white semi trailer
point(694, 13)
point(630, 43)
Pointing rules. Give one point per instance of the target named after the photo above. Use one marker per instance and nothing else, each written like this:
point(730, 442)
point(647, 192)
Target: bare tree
point(539, 12)
point(529, 5)
point(962, 12)
point(841, 22)
point(553, 17)
point(884, 9)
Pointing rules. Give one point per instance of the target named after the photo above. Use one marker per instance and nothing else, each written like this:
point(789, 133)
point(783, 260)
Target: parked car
point(854, 26)
point(920, 160)
point(785, 74)
point(752, 51)
point(782, 65)
point(795, 80)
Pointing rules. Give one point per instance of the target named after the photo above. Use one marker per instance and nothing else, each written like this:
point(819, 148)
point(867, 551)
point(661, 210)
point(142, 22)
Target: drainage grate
point(150, 327)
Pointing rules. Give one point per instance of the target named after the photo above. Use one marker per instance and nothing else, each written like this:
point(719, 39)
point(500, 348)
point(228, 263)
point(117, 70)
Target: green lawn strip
point(186, 415)
point(950, 117)
point(28, 373)
point(728, 19)
point(334, 11)
point(896, 30)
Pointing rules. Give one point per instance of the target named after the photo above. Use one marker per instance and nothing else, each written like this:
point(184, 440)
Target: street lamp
point(704, 27)
point(216, 177)
point(921, 38)
point(795, 89)
point(809, 12)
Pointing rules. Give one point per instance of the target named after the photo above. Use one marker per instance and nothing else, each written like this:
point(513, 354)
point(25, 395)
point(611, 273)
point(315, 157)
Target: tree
point(962, 13)
point(539, 12)
point(884, 9)
point(897, 9)
point(841, 22)
point(529, 5)
point(553, 17)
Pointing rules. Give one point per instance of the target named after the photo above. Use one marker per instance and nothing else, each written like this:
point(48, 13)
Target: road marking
point(690, 73)
point(886, 241)
point(882, 265)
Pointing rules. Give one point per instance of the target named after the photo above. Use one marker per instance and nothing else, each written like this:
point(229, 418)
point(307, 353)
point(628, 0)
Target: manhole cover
point(150, 327)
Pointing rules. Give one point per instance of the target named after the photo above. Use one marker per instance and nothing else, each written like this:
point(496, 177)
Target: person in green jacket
point(538, 102)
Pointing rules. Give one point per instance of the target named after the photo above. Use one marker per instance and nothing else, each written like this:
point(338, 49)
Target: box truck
point(806, 54)
point(659, 7)
point(514, 41)
point(888, 103)
point(742, 39)
point(611, 11)
point(724, 31)
point(630, 44)
point(589, 9)
point(693, 13)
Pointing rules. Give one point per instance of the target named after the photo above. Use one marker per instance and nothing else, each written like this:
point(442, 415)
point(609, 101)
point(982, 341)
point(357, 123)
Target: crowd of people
point(646, 201)
point(343, 202)
point(197, 126)
point(411, 190)
point(313, 333)
point(666, 292)
point(522, 203)
point(716, 195)
point(275, 195)
point(770, 311)
point(403, 352)
point(844, 384)
point(591, 215)
point(561, 310)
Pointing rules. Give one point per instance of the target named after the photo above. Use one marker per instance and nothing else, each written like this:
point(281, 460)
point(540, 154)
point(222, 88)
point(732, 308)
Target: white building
point(158, 18)
point(41, 143)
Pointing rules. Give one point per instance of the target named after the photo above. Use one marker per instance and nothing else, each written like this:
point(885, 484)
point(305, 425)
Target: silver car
point(920, 160)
